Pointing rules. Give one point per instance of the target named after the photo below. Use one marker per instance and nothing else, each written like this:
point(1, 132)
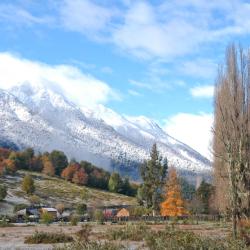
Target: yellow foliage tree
point(173, 205)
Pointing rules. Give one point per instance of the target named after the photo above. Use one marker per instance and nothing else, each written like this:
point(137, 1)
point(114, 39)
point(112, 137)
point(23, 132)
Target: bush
point(5, 222)
point(98, 216)
point(81, 208)
point(84, 233)
point(28, 185)
point(48, 238)
point(134, 232)
point(93, 245)
point(74, 220)
point(47, 218)
point(175, 240)
point(3, 192)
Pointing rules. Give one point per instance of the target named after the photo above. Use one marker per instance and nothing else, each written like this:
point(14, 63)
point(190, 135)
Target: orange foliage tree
point(80, 177)
point(68, 172)
point(173, 205)
point(48, 167)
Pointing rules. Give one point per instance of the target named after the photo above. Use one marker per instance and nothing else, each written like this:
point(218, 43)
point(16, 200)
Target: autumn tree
point(68, 172)
point(80, 177)
point(28, 185)
point(173, 205)
point(153, 173)
point(48, 167)
point(232, 133)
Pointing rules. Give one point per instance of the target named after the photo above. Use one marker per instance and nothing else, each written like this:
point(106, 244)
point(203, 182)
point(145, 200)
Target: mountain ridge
point(47, 120)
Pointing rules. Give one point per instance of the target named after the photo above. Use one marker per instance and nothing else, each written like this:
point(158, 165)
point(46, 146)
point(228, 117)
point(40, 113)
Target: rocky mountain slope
point(41, 117)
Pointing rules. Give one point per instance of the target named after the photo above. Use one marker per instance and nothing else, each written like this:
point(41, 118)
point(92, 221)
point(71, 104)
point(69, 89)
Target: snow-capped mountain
point(41, 117)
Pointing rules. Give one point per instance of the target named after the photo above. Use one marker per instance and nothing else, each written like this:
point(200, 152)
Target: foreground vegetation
point(170, 238)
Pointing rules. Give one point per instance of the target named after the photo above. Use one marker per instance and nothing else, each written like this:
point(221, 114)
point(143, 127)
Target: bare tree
point(232, 131)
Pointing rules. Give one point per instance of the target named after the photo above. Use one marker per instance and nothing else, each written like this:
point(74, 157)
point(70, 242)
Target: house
point(109, 213)
point(123, 213)
point(52, 211)
point(29, 212)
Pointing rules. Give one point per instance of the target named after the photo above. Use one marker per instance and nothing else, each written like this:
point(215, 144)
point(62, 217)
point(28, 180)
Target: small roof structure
point(123, 213)
point(49, 209)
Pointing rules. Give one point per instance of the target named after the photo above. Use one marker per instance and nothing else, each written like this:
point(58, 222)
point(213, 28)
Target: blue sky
point(153, 58)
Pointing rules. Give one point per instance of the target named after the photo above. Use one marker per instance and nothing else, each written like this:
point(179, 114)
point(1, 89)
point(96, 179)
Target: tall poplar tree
point(232, 133)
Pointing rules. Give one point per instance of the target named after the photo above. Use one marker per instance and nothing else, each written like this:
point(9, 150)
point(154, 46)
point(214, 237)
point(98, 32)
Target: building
point(123, 213)
point(52, 211)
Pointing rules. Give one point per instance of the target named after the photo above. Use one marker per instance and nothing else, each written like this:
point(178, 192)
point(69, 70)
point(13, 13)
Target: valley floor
point(13, 237)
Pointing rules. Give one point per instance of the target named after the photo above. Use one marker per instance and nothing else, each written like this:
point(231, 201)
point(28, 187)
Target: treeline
point(56, 164)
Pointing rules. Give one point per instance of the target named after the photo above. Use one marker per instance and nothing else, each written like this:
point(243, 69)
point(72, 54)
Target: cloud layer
point(194, 130)
point(81, 88)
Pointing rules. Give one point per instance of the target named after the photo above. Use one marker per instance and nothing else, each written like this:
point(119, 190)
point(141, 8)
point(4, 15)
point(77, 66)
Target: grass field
point(14, 237)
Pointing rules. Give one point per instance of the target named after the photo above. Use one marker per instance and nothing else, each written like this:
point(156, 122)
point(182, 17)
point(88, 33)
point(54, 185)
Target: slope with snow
point(40, 117)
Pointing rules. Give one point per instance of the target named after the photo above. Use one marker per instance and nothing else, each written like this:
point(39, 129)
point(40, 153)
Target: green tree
point(59, 161)
point(81, 208)
point(28, 185)
point(153, 173)
point(187, 189)
point(115, 183)
point(27, 156)
point(3, 192)
point(204, 193)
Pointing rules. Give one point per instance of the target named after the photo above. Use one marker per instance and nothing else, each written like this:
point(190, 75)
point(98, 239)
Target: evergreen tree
point(59, 161)
point(153, 173)
point(187, 189)
point(204, 193)
point(115, 183)
point(173, 205)
point(28, 185)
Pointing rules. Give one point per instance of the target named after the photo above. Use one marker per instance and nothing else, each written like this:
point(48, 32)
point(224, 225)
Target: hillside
point(54, 190)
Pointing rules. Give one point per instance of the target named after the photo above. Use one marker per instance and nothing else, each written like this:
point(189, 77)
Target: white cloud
point(81, 88)
point(174, 28)
point(206, 91)
point(199, 68)
point(193, 130)
point(20, 16)
point(86, 17)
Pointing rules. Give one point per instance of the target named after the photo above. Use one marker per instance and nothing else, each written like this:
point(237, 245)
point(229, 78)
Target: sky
point(153, 58)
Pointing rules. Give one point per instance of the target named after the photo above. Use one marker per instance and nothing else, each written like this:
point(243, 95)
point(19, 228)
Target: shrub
point(98, 216)
point(5, 222)
point(93, 245)
point(81, 208)
point(47, 238)
point(28, 185)
point(84, 233)
point(74, 220)
point(134, 232)
point(175, 240)
point(3, 192)
point(46, 218)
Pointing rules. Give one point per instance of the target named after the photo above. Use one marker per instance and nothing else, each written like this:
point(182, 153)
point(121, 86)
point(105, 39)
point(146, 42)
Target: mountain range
point(39, 116)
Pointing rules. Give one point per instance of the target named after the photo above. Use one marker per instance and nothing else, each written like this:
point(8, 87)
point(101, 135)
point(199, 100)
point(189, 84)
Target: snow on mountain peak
point(48, 121)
